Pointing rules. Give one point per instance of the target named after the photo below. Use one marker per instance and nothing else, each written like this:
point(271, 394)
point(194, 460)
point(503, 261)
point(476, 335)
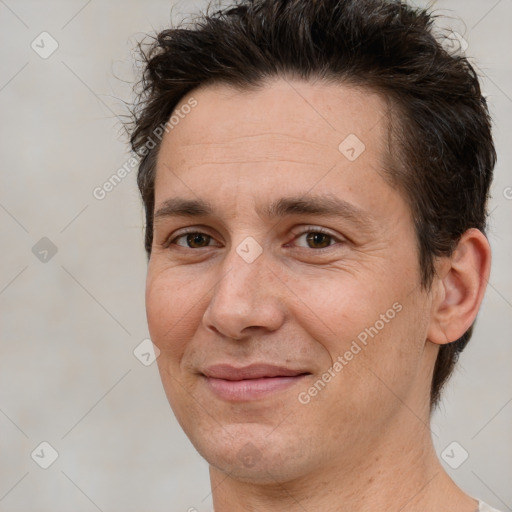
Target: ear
point(459, 287)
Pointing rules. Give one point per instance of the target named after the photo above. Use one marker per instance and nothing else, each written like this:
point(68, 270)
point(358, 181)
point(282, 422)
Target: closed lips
point(255, 371)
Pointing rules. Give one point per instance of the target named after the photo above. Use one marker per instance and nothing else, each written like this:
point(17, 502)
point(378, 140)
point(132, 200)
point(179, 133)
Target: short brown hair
point(441, 125)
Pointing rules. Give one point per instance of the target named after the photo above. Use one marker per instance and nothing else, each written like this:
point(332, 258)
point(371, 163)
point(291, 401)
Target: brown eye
point(317, 240)
point(193, 240)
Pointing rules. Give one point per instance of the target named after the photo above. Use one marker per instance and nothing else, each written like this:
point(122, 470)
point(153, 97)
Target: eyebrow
point(326, 205)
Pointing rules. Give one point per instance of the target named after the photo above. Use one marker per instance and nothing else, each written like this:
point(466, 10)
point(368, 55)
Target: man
point(315, 176)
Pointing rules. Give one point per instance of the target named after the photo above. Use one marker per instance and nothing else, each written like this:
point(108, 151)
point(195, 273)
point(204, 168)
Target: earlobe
point(461, 282)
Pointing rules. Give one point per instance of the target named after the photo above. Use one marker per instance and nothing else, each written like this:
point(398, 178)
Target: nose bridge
point(242, 272)
point(245, 294)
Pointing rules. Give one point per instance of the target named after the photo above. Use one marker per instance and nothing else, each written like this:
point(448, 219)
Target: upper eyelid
point(169, 241)
point(315, 229)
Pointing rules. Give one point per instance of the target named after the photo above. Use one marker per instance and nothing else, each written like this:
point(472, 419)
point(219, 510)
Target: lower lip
point(250, 389)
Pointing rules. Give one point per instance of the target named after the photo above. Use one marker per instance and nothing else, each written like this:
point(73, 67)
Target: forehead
point(287, 120)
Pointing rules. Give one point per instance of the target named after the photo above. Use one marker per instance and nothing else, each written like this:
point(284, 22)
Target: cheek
point(336, 309)
point(172, 309)
point(376, 325)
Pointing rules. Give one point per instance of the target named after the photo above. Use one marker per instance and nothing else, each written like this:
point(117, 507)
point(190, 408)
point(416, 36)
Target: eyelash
point(308, 229)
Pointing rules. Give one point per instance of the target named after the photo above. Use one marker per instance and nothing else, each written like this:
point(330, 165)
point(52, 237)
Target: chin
point(253, 455)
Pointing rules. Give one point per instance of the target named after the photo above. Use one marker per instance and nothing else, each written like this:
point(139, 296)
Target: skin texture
point(362, 442)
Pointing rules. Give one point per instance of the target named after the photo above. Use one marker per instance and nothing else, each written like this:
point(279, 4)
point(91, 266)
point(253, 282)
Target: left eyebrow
point(327, 205)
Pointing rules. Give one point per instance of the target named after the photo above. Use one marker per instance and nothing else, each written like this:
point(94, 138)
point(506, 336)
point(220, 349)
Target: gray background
point(69, 325)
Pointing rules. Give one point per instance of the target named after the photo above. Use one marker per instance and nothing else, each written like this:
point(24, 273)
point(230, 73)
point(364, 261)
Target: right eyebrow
point(178, 207)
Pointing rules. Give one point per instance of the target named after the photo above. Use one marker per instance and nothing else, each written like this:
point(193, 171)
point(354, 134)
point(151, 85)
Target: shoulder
point(483, 507)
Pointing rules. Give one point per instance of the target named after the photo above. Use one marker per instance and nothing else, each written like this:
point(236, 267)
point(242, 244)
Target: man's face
point(292, 287)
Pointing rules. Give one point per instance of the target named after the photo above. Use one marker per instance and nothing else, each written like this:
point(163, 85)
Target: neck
point(393, 472)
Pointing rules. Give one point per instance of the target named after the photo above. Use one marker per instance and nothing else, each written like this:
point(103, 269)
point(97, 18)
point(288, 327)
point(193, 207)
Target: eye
point(192, 240)
point(312, 238)
point(316, 238)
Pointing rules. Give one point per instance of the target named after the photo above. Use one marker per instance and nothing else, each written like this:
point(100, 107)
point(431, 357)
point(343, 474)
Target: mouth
point(252, 382)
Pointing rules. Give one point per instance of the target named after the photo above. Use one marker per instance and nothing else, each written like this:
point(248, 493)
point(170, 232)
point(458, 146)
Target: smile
point(251, 382)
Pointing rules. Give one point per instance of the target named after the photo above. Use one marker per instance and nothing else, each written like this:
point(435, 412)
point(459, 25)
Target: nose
point(247, 298)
